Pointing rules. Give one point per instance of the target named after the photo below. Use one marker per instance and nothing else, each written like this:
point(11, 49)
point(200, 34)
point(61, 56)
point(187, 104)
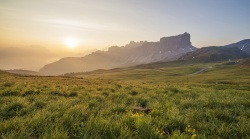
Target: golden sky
point(91, 24)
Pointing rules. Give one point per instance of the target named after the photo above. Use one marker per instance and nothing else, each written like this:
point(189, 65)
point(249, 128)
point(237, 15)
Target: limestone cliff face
point(167, 49)
point(174, 43)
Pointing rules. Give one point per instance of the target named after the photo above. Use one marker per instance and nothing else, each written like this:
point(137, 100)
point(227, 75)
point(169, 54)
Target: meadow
point(212, 104)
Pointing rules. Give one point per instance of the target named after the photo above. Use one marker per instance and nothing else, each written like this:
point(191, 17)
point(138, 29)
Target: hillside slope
point(24, 72)
point(243, 45)
point(214, 53)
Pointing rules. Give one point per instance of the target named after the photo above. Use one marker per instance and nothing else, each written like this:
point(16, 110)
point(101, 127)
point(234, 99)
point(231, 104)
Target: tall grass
point(56, 107)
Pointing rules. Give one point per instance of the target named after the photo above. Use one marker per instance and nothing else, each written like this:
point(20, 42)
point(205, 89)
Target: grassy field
point(212, 104)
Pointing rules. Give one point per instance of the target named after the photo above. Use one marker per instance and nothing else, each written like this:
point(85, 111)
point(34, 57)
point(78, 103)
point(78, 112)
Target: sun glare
point(71, 43)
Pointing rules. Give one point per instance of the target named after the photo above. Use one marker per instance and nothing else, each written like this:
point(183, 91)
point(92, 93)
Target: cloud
point(82, 24)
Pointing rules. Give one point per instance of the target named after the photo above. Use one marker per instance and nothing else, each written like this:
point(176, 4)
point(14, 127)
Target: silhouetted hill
point(167, 49)
point(214, 53)
point(24, 72)
point(243, 45)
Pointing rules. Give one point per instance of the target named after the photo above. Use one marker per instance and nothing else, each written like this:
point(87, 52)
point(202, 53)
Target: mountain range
point(171, 48)
point(213, 54)
point(243, 45)
point(232, 51)
point(167, 49)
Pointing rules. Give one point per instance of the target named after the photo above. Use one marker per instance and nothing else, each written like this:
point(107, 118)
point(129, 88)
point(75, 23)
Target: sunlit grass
point(213, 104)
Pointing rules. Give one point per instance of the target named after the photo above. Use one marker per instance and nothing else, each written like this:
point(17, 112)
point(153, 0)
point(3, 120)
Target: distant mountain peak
point(176, 42)
point(134, 53)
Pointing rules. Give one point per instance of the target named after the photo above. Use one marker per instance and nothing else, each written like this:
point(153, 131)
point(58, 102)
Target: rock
point(141, 109)
point(174, 43)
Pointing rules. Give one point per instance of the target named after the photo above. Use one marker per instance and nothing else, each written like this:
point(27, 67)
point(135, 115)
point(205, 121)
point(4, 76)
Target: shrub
point(106, 94)
point(133, 93)
point(142, 102)
point(12, 110)
point(30, 92)
point(119, 110)
point(112, 90)
point(8, 84)
point(10, 93)
point(73, 94)
point(57, 93)
point(40, 105)
point(175, 90)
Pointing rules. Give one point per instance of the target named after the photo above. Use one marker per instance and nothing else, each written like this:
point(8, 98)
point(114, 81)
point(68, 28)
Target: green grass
point(212, 104)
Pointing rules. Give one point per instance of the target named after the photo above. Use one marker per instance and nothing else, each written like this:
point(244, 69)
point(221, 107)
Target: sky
point(74, 25)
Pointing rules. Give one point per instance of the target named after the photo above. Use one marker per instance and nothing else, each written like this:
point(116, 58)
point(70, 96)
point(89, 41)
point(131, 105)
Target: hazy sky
point(90, 24)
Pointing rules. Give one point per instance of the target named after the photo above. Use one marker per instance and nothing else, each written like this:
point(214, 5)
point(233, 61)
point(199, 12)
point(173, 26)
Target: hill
point(24, 72)
point(167, 49)
point(243, 45)
point(214, 53)
point(232, 51)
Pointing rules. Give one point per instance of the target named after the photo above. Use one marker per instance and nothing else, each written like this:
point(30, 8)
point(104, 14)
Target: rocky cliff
point(167, 49)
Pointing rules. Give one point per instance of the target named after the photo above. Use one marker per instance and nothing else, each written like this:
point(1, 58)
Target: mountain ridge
point(167, 49)
point(170, 48)
point(229, 52)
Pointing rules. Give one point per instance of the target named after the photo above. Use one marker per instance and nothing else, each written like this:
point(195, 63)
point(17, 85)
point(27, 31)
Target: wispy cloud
point(81, 25)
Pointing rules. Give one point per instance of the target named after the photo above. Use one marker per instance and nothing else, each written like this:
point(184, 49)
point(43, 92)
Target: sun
point(71, 43)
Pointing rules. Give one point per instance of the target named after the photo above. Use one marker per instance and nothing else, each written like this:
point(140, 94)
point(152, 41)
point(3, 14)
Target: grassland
point(212, 104)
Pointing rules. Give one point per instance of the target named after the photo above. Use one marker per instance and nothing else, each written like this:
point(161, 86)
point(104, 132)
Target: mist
point(34, 57)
